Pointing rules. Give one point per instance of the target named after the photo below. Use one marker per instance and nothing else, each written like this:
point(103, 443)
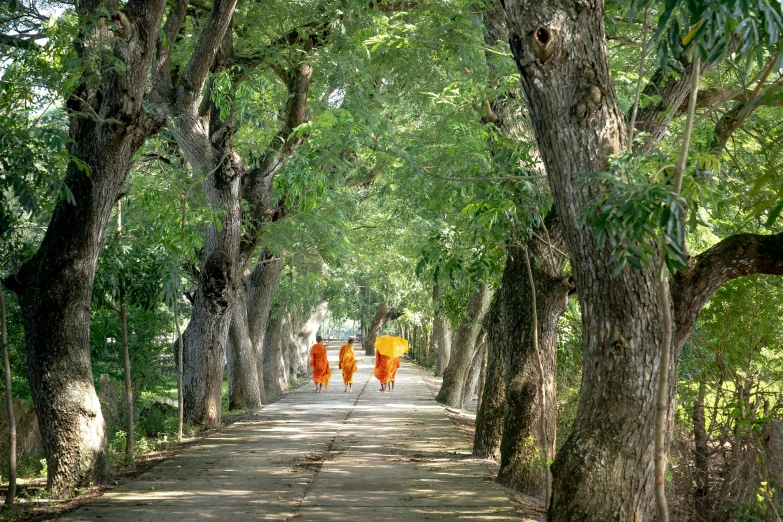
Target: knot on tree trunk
point(217, 281)
point(543, 43)
point(591, 95)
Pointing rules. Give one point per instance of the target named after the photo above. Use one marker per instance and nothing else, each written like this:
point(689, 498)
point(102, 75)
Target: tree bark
point(368, 341)
point(246, 334)
point(441, 334)
point(492, 410)
point(522, 442)
point(275, 371)
point(244, 386)
point(471, 383)
point(561, 54)
point(290, 347)
point(522, 445)
point(10, 494)
point(108, 125)
point(206, 335)
point(305, 337)
point(262, 285)
point(456, 372)
point(207, 145)
point(227, 250)
point(482, 377)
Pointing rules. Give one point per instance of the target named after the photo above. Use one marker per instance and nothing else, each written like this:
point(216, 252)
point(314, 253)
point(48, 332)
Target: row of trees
point(262, 161)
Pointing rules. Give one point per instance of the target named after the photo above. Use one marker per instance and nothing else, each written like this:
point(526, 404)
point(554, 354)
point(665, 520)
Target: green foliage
point(636, 208)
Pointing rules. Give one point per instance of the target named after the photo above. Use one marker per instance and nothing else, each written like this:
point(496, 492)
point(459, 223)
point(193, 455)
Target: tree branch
point(174, 21)
point(673, 90)
point(209, 41)
point(257, 183)
point(18, 42)
point(736, 256)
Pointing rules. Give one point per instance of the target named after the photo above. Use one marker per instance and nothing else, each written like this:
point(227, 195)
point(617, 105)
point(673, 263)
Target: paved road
point(366, 456)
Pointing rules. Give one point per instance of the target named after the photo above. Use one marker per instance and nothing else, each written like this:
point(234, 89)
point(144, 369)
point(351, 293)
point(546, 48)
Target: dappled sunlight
point(365, 456)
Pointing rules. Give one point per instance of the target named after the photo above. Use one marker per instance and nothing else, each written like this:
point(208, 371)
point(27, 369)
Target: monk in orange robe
point(347, 364)
point(320, 364)
point(384, 369)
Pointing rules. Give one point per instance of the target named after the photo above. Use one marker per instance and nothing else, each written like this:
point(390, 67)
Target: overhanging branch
point(736, 256)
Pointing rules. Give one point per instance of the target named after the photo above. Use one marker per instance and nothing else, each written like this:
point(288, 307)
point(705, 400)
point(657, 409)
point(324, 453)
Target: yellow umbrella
point(391, 346)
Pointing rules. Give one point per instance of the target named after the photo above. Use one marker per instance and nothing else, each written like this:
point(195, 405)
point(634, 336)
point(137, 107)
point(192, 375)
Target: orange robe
point(384, 367)
point(320, 364)
point(395, 365)
point(347, 363)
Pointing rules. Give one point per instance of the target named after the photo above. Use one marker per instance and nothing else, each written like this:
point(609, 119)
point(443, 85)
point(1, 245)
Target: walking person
point(320, 364)
point(347, 363)
point(388, 350)
point(384, 366)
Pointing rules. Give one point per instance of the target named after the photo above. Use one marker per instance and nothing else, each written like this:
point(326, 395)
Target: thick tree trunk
point(246, 334)
point(275, 371)
point(305, 337)
point(456, 372)
point(207, 333)
point(205, 137)
point(298, 357)
point(368, 341)
point(492, 410)
point(244, 388)
point(522, 446)
point(561, 53)
point(476, 367)
point(290, 347)
point(55, 285)
point(263, 283)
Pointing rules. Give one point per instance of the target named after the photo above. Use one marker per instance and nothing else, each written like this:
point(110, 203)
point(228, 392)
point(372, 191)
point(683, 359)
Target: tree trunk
point(246, 334)
point(205, 137)
point(523, 446)
point(55, 285)
point(441, 334)
point(560, 51)
point(368, 341)
point(275, 371)
point(456, 372)
point(129, 436)
point(305, 337)
point(207, 333)
point(492, 410)
point(244, 388)
point(10, 494)
point(482, 377)
point(471, 383)
point(263, 283)
point(290, 347)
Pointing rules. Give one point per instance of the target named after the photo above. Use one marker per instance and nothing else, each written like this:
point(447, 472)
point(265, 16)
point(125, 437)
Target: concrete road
point(362, 456)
